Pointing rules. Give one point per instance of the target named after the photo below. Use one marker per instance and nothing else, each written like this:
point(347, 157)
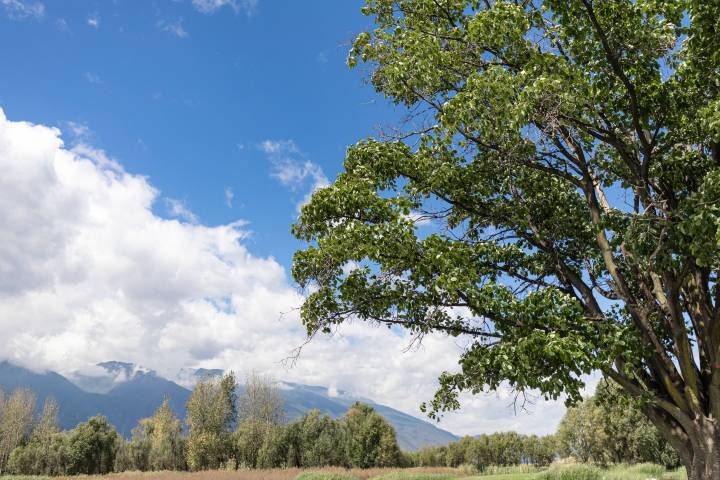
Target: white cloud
point(291, 169)
point(94, 21)
point(211, 6)
point(173, 28)
point(20, 9)
point(229, 195)
point(89, 273)
point(79, 131)
point(92, 77)
point(178, 209)
point(62, 25)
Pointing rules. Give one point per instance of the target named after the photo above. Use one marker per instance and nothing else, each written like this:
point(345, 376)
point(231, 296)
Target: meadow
point(554, 472)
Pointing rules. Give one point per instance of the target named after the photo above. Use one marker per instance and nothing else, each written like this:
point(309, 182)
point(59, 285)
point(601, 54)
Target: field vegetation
point(248, 438)
point(560, 471)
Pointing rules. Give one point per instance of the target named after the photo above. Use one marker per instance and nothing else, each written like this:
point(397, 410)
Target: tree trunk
point(705, 464)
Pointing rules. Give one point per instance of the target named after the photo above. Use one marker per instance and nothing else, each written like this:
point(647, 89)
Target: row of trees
point(605, 428)
point(221, 430)
point(611, 428)
point(224, 431)
point(496, 449)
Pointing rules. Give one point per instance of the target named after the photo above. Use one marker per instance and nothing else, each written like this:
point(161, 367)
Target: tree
point(16, 416)
point(38, 457)
point(261, 410)
point(580, 432)
point(370, 438)
point(156, 443)
point(166, 441)
point(566, 156)
point(92, 446)
point(316, 440)
point(630, 436)
point(211, 415)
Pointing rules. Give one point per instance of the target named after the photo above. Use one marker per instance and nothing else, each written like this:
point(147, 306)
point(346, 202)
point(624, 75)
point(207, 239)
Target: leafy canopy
point(565, 155)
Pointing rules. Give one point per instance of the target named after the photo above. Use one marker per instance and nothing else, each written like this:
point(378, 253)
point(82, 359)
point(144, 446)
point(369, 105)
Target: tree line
point(220, 430)
point(224, 430)
point(606, 428)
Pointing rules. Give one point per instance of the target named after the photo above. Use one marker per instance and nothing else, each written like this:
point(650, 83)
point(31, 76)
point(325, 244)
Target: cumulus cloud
point(291, 169)
point(20, 9)
point(90, 272)
point(211, 6)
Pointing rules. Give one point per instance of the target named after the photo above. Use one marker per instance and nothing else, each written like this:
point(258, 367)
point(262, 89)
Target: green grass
point(415, 476)
point(503, 476)
point(24, 477)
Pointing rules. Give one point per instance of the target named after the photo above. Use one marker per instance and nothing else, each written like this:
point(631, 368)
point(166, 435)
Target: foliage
point(580, 433)
point(91, 447)
point(261, 411)
point(630, 436)
point(370, 439)
point(156, 444)
point(483, 452)
point(16, 415)
point(46, 450)
point(316, 440)
point(567, 157)
point(211, 415)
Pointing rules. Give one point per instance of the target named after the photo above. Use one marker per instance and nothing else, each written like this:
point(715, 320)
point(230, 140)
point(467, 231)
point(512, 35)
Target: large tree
point(566, 156)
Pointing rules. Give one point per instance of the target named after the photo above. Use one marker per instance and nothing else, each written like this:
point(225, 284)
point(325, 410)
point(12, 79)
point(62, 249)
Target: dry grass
point(270, 474)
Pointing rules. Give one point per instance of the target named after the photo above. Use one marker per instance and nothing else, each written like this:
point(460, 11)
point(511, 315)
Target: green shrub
point(571, 472)
point(324, 476)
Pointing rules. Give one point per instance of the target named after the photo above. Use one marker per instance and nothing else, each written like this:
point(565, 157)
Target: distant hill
point(128, 393)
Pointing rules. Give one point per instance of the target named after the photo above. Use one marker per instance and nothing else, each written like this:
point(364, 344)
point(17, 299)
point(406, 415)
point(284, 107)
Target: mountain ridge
point(130, 393)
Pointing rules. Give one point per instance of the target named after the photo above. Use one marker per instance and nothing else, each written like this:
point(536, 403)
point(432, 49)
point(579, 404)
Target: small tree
point(261, 410)
point(322, 440)
point(92, 446)
point(37, 457)
point(630, 436)
point(211, 415)
point(16, 416)
point(580, 433)
point(370, 438)
point(566, 155)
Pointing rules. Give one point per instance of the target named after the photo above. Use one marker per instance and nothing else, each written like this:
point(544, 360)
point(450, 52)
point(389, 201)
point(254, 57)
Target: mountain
point(126, 393)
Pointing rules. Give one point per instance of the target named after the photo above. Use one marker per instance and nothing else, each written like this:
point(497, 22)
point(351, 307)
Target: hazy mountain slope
point(141, 392)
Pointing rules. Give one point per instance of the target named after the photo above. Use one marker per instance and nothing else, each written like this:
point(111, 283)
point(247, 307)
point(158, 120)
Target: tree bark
point(705, 464)
point(698, 449)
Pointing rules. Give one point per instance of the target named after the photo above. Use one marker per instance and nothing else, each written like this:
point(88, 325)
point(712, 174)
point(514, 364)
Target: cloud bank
point(90, 272)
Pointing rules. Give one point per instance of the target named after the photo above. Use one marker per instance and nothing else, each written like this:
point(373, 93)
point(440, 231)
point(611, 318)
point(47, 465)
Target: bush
point(571, 472)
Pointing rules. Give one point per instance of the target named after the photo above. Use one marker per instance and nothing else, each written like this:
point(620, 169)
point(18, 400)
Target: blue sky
point(185, 93)
point(153, 156)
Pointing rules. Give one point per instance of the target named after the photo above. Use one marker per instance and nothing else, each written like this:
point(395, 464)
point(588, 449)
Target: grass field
point(564, 472)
